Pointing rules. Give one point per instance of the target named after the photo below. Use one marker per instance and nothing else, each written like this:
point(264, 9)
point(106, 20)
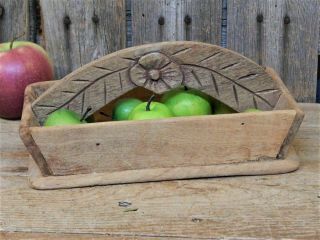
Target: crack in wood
point(229, 66)
point(268, 90)
point(86, 87)
point(196, 77)
point(66, 91)
point(166, 65)
point(105, 92)
point(235, 95)
point(82, 103)
point(120, 81)
point(168, 86)
point(211, 56)
point(255, 102)
point(181, 51)
point(215, 84)
point(103, 68)
point(80, 80)
point(250, 75)
point(230, 79)
point(130, 59)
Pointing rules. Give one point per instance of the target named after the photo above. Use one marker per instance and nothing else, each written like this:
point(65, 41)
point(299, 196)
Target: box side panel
point(286, 101)
point(28, 120)
point(174, 142)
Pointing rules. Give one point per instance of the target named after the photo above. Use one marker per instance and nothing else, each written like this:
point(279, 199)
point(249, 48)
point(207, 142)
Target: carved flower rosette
point(156, 72)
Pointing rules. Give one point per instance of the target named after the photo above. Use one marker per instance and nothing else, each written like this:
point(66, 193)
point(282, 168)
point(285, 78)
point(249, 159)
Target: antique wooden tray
point(174, 148)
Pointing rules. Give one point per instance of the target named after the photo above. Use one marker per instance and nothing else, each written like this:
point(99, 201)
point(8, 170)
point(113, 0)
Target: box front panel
point(186, 141)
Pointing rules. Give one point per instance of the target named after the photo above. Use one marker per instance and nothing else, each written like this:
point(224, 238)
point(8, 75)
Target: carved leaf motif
point(223, 74)
point(228, 90)
point(79, 94)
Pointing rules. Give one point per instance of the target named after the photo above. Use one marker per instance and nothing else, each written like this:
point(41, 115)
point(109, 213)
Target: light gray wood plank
point(14, 19)
point(146, 26)
point(301, 37)
point(205, 16)
point(205, 22)
point(291, 49)
point(259, 40)
point(242, 27)
point(72, 46)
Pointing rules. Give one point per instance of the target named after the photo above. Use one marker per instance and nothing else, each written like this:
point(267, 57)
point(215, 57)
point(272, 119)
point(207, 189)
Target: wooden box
point(175, 148)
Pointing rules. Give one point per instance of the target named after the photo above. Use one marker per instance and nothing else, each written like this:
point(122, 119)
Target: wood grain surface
point(275, 206)
point(223, 74)
point(79, 31)
point(285, 38)
point(14, 19)
point(132, 145)
point(156, 21)
point(290, 48)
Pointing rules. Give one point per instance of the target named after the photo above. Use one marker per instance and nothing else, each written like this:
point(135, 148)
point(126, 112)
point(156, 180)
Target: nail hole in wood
point(142, 14)
point(196, 220)
point(260, 18)
point(1, 11)
point(286, 20)
point(161, 20)
point(187, 20)
point(66, 21)
point(95, 19)
point(97, 144)
point(242, 123)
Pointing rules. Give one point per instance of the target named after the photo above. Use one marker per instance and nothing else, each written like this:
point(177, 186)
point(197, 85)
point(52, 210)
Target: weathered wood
point(29, 119)
point(257, 29)
point(275, 166)
point(223, 74)
point(200, 20)
point(147, 25)
point(155, 21)
point(130, 145)
point(300, 49)
point(77, 32)
point(61, 236)
point(284, 102)
point(14, 19)
point(275, 206)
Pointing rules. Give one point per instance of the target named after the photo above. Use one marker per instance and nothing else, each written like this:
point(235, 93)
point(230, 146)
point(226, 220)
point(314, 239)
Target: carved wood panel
point(223, 74)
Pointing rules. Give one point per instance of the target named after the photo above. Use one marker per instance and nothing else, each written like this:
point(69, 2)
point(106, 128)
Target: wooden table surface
point(275, 206)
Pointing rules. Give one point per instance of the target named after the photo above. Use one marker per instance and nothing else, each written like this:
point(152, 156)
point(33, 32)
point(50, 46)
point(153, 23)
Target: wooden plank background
point(79, 31)
point(283, 34)
point(14, 19)
point(289, 47)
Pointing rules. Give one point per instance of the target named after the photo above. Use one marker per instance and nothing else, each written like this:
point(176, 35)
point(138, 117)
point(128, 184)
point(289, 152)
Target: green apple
point(187, 102)
point(221, 108)
point(63, 117)
point(252, 110)
point(124, 107)
point(169, 94)
point(150, 110)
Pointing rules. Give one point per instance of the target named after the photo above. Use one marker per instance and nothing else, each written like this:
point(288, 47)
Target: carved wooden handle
point(223, 74)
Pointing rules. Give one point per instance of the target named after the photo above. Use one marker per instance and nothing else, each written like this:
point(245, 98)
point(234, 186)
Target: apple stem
point(86, 113)
point(15, 38)
point(149, 102)
point(186, 88)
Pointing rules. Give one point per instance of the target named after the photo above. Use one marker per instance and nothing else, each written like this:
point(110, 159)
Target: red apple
point(23, 64)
